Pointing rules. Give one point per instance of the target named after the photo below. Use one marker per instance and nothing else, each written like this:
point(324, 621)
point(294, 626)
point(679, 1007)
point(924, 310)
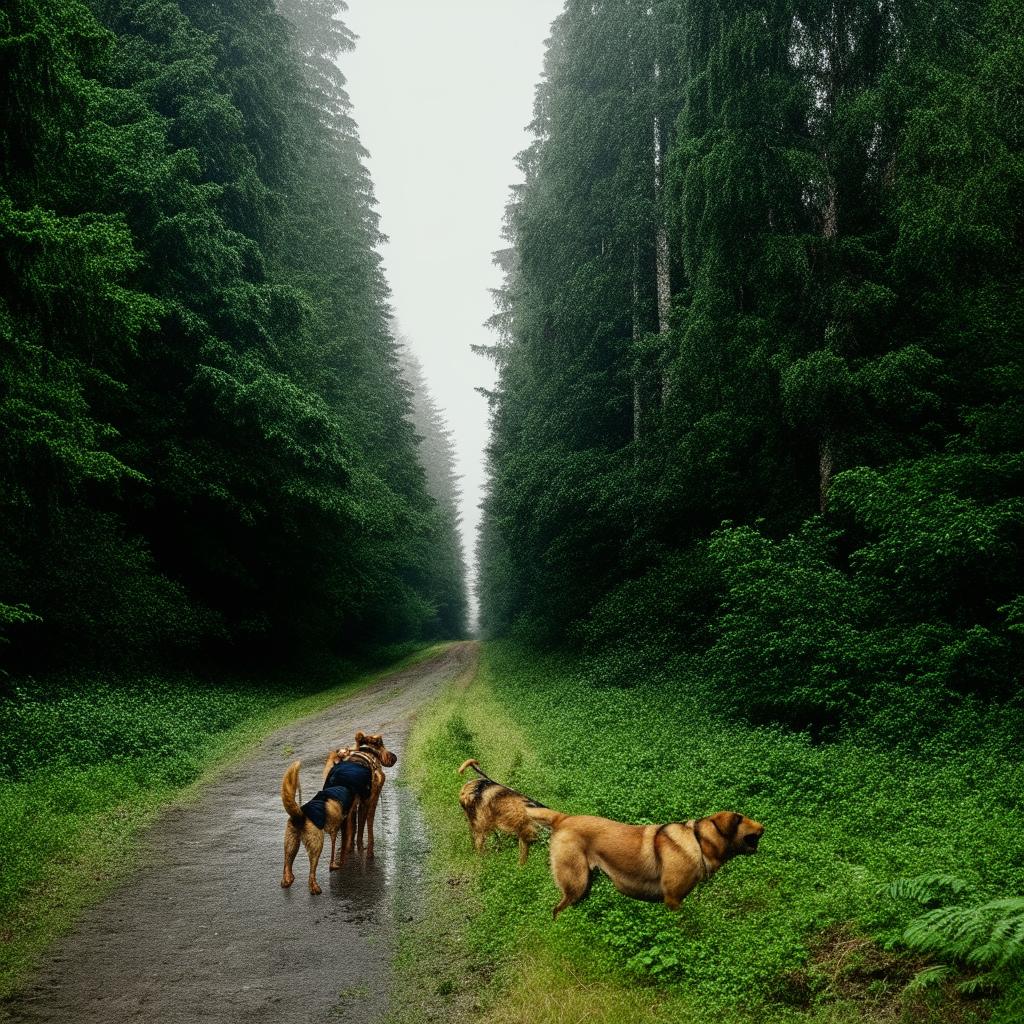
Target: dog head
point(741, 835)
point(386, 757)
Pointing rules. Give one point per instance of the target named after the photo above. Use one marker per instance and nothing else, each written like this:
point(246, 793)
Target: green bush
point(898, 604)
point(93, 720)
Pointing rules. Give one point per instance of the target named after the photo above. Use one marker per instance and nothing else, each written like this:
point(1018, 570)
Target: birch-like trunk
point(662, 276)
point(637, 331)
point(826, 463)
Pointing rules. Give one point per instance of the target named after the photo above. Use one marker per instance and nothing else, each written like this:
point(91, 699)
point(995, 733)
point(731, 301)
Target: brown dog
point(369, 750)
point(354, 804)
point(301, 828)
point(490, 806)
point(648, 862)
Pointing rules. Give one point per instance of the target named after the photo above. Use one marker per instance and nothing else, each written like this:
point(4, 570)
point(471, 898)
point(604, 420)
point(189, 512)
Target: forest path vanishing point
point(202, 931)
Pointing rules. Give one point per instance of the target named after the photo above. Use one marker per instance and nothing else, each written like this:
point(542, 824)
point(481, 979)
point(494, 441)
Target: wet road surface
point(202, 930)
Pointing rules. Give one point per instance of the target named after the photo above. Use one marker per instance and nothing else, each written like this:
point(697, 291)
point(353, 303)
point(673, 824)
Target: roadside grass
point(89, 762)
point(800, 932)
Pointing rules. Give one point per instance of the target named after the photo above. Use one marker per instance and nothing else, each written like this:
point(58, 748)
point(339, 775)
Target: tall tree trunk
point(825, 469)
point(826, 462)
point(637, 332)
point(661, 252)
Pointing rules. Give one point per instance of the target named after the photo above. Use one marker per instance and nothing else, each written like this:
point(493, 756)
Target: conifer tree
point(206, 431)
point(824, 460)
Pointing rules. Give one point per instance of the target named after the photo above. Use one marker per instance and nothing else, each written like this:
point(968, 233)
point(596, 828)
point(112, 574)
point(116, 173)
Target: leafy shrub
point(791, 634)
point(902, 601)
point(91, 720)
point(656, 615)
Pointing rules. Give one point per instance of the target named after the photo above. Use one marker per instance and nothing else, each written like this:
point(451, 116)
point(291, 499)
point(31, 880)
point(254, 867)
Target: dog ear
point(360, 738)
point(727, 822)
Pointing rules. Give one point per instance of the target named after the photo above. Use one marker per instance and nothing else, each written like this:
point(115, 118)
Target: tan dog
point(369, 750)
point(648, 862)
point(490, 807)
point(301, 829)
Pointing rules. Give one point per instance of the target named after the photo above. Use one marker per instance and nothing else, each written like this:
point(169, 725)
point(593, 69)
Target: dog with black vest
point(352, 781)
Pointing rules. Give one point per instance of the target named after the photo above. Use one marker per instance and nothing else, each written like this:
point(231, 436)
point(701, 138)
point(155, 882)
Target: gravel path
point(202, 932)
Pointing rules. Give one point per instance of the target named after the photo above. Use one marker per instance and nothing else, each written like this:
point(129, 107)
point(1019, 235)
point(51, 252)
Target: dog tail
point(475, 765)
point(545, 815)
point(289, 789)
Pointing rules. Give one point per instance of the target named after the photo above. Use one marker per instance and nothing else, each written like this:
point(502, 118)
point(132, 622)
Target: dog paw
point(315, 890)
point(285, 882)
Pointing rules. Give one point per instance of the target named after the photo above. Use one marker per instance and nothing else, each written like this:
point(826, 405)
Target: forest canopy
point(206, 435)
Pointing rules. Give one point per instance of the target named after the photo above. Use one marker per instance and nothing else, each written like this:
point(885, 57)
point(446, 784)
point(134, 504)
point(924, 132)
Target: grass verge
point(801, 932)
point(90, 762)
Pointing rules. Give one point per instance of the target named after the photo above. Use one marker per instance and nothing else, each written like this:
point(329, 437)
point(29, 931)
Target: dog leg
point(314, 840)
point(335, 864)
point(351, 826)
point(675, 886)
point(291, 848)
point(361, 810)
point(571, 873)
point(371, 810)
point(479, 836)
point(347, 836)
point(527, 835)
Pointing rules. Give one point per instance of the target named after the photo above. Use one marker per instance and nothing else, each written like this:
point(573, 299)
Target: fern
point(930, 976)
point(926, 888)
point(986, 936)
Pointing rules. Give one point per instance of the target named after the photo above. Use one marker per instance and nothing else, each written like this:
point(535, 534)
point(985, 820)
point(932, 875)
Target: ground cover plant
point(87, 761)
point(809, 928)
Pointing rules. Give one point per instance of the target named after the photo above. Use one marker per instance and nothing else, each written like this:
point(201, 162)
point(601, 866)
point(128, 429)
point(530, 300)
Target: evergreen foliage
point(437, 456)
point(806, 471)
point(205, 431)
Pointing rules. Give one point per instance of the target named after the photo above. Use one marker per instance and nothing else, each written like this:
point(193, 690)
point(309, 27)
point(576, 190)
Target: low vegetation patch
point(808, 929)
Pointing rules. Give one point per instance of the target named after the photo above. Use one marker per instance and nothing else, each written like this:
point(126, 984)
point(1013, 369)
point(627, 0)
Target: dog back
point(353, 775)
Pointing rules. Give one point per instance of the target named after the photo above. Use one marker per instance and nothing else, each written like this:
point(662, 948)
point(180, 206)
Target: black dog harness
point(346, 781)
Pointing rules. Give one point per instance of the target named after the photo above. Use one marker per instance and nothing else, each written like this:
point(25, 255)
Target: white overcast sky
point(442, 91)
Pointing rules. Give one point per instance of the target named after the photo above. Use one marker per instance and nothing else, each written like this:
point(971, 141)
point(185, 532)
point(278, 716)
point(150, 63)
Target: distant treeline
point(205, 438)
point(761, 352)
point(437, 456)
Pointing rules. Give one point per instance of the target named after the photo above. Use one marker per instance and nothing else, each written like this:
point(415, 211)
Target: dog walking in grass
point(657, 863)
point(492, 807)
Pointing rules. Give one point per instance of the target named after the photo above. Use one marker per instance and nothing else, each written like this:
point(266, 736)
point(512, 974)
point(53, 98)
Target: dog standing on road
point(347, 801)
point(371, 752)
point(490, 807)
point(333, 808)
point(648, 862)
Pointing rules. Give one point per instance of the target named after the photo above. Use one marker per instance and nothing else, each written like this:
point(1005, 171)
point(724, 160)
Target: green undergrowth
point(803, 931)
point(88, 761)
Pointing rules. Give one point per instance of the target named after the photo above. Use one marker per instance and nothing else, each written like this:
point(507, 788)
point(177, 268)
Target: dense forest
point(207, 440)
point(760, 390)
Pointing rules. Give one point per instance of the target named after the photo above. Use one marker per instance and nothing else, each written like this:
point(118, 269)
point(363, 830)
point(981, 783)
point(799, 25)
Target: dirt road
point(203, 932)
